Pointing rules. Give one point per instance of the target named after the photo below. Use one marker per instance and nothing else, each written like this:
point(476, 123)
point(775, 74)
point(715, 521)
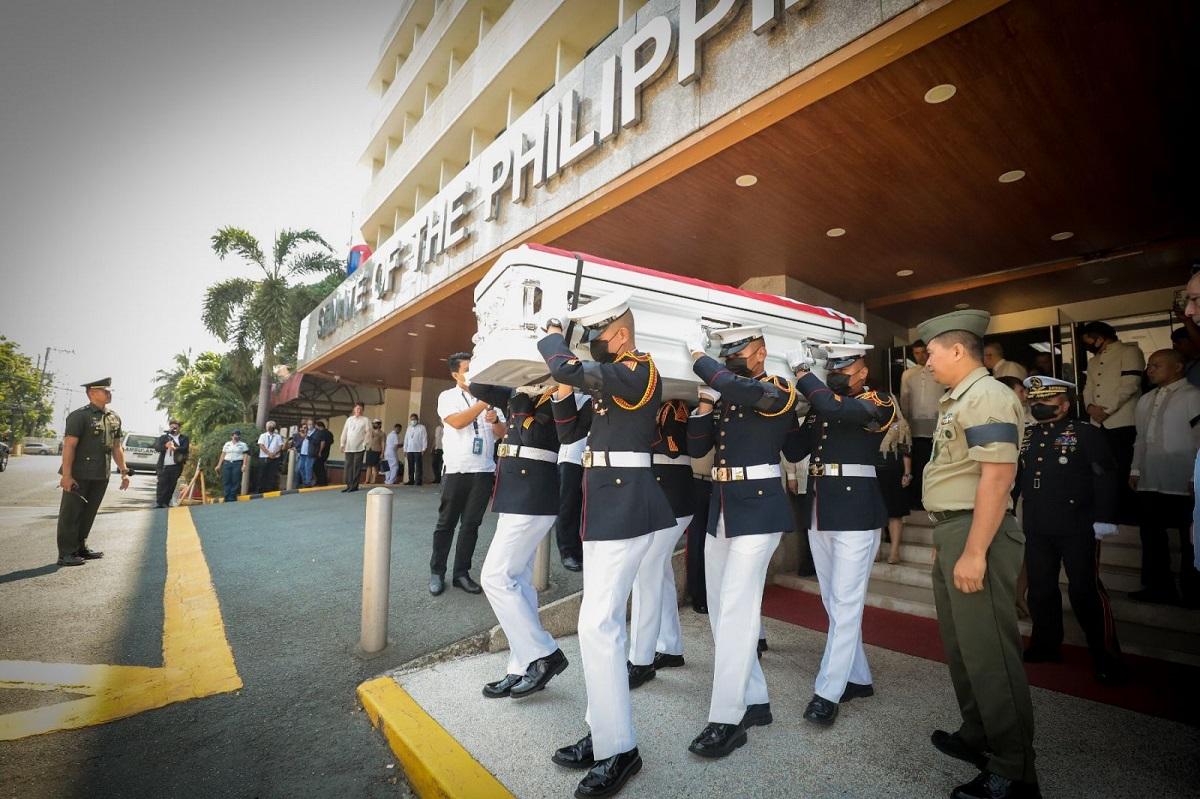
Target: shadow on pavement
point(25, 574)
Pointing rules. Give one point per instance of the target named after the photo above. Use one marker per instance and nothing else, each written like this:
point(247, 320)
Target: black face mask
point(599, 351)
point(1043, 412)
point(1092, 348)
point(838, 383)
point(738, 365)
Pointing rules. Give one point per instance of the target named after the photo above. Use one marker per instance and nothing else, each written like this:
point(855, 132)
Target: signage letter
point(501, 172)
point(573, 149)
point(456, 229)
point(608, 99)
point(693, 32)
point(633, 77)
point(534, 157)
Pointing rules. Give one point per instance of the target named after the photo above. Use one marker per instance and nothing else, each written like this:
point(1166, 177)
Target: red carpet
point(1155, 687)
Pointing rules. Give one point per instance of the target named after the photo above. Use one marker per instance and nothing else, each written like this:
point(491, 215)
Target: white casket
point(534, 281)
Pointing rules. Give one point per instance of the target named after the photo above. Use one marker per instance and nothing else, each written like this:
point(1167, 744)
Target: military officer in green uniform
point(978, 550)
point(91, 442)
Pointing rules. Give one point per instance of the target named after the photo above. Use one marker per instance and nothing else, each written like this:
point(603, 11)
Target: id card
point(477, 446)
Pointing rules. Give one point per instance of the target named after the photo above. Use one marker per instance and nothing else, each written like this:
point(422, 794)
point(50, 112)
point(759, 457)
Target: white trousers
point(393, 471)
point(609, 569)
point(843, 560)
point(735, 571)
point(654, 621)
point(507, 580)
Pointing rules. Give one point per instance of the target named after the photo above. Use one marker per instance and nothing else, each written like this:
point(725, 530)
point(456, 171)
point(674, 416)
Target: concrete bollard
point(541, 565)
point(247, 464)
point(377, 566)
point(291, 471)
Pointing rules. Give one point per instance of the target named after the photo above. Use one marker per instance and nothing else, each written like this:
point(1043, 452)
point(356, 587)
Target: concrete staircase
point(1160, 631)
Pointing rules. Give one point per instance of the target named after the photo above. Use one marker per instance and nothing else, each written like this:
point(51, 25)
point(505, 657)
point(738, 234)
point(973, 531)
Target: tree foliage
point(26, 404)
point(215, 389)
point(261, 314)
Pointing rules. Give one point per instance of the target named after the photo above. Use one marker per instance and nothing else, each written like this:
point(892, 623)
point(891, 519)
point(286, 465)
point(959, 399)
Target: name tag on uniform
point(477, 446)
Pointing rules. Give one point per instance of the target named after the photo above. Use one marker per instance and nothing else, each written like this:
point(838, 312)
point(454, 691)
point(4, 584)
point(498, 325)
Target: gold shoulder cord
point(890, 402)
point(650, 384)
point(791, 396)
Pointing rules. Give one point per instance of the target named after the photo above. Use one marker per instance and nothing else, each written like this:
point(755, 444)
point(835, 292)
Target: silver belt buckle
point(932, 517)
point(587, 459)
point(737, 473)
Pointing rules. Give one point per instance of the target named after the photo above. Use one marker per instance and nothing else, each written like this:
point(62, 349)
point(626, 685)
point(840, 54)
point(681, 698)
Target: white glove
point(708, 394)
point(550, 319)
point(1103, 530)
point(801, 359)
point(697, 342)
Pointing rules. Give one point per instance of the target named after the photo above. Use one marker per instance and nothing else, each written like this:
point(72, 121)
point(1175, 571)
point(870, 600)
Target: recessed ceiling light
point(940, 93)
point(330, 372)
point(1100, 281)
point(353, 361)
point(1012, 176)
point(412, 369)
point(904, 273)
point(411, 333)
point(834, 232)
point(745, 181)
point(379, 349)
point(430, 324)
point(1066, 234)
point(963, 305)
point(377, 380)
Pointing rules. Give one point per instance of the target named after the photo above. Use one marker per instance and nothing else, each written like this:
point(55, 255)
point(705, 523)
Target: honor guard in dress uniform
point(978, 548)
point(843, 433)
point(623, 505)
point(570, 498)
point(655, 639)
point(91, 442)
point(526, 497)
point(1068, 479)
point(748, 417)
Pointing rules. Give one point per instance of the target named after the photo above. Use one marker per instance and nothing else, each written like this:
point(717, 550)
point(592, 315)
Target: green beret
point(970, 320)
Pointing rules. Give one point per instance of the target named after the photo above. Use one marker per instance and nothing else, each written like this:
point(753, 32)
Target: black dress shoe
point(1036, 655)
point(465, 582)
point(501, 688)
point(856, 690)
point(757, 716)
point(437, 584)
point(821, 711)
point(700, 608)
point(540, 672)
point(89, 554)
point(71, 560)
point(762, 646)
point(992, 786)
point(346, 489)
point(609, 776)
point(718, 740)
point(638, 675)
point(572, 564)
point(664, 661)
point(952, 744)
point(577, 755)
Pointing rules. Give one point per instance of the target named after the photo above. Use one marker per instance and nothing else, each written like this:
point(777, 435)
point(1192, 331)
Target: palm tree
point(167, 381)
point(256, 314)
point(216, 389)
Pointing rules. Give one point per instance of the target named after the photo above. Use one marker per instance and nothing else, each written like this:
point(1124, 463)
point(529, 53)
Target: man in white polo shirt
point(468, 443)
point(355, 436)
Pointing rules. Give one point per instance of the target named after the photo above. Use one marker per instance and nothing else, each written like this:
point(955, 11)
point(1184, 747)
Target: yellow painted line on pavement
point(436, 764)
point(197, 658)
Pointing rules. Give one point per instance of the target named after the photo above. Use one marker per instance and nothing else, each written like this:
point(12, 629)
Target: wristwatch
point(127, 473)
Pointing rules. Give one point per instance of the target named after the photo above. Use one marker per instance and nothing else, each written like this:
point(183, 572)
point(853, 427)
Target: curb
point(434, 762)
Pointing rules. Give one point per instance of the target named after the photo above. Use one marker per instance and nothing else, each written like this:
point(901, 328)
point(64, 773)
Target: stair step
point(1160, 631)
point(916, 564)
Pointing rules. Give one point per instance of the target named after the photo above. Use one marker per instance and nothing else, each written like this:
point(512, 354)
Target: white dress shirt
point(458, 446)
point(356, 434)
point(271, 442)
point(1168, 436)
point(919, 396)
point(234, 451)
point(1114, 381)
point(416, 439)
point(389, 449)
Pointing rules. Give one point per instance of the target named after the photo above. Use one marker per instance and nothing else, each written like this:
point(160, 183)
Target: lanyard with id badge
point(477, 443)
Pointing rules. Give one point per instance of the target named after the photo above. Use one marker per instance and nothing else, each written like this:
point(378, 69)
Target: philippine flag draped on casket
point(534, 281)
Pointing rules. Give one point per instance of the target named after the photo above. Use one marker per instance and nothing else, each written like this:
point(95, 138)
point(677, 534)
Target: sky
point(130, 131)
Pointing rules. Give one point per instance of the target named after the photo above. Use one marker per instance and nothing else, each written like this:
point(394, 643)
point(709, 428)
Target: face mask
point(838, 383)
point(1092, 348)
point(738, 365)
point(1043, 412)
point(599, 351)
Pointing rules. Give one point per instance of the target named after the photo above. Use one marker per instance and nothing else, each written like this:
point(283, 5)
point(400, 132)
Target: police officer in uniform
point(978, 548)
point(748, 418)
point(1068, 479)
point(655, 638)
point(91, 442)
point(526, 497)
point(623, 505)
point(844, 431)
